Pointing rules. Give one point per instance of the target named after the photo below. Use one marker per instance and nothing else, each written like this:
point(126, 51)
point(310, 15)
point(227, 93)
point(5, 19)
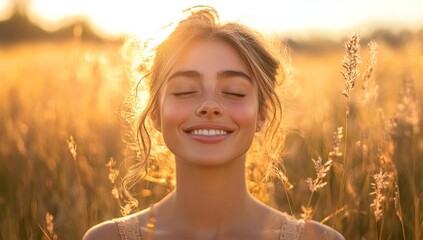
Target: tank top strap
point(129, 228)
point(292, 229)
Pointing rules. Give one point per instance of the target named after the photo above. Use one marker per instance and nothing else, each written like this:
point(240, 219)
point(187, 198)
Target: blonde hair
point(203, 23)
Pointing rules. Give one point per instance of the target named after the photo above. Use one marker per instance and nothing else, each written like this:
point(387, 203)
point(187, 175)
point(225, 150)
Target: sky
point(140, 17)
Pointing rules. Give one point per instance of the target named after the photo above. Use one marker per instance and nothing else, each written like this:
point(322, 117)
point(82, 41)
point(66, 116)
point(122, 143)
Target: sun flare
point(111, 18)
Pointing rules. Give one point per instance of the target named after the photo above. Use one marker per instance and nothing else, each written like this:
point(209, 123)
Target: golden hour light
point(295, 17)
point(285, 120)
point(5, 9)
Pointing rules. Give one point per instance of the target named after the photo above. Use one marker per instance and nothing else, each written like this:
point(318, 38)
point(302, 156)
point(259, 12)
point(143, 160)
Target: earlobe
point(155, 118)
point(259, 126)
point(260, 123)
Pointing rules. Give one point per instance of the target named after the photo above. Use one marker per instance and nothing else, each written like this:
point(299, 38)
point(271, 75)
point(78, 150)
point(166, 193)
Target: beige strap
point(292, 229)
point(129, 228)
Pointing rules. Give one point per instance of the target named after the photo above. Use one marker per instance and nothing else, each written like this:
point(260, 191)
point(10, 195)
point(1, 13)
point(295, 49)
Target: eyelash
point(240, 95)
point(177, 94)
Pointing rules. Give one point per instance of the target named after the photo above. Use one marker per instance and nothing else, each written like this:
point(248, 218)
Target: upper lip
point(209, 126)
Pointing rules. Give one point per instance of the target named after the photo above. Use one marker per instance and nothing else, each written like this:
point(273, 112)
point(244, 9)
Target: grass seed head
point(350, 63)
point(321, 171)
point(72, 147)
point(381, 182)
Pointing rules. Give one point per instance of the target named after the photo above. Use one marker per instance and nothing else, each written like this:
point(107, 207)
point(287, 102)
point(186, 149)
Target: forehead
point(210, 55)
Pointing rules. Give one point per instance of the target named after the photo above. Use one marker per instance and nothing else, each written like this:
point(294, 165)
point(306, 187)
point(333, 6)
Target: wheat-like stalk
point(287, 185)
point(350, 63)
point(314, 185)
point(379, 185)
point(113, 172)
point(321, 172)
point(72, 147)
point(283, 178)
point(371, 63)
point(307, 213)
point(336, 148)
point(50, 226)
point(350, 75)
point(397, 201)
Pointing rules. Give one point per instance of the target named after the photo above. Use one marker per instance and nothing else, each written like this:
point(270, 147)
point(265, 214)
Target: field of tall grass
point(354, 145)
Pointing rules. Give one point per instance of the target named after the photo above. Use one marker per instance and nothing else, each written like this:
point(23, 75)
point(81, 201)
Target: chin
point(210, 161)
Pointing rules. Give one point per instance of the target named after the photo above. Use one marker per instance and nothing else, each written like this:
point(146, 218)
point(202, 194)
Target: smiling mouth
point(208, 132)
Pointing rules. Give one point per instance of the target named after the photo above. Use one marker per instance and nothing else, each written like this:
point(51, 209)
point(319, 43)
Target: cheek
point(173, 114)
point(244, 114)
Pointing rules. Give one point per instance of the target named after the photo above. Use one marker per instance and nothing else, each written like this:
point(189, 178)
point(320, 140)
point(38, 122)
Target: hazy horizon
point(302, 19)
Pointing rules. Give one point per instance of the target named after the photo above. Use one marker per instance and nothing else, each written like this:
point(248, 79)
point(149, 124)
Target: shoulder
point(315, 230)
point(127, 227)
point(293, 228)
point(105, 231)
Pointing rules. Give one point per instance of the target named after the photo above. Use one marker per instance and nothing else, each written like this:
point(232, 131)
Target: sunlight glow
point(5, 9)
point(143, 17)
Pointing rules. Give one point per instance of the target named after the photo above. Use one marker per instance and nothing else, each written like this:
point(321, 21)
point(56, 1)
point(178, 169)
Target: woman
point(212, 91)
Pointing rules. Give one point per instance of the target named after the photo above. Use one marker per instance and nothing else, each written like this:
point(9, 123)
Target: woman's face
point(208, 112)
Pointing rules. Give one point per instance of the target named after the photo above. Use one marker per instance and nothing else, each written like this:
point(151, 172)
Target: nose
point(209, 109)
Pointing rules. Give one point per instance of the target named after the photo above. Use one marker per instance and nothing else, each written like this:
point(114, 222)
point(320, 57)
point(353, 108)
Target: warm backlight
point(144, 17)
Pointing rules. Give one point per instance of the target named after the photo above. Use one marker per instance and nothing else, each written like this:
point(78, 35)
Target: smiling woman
point(213, 92)
point(220, 92)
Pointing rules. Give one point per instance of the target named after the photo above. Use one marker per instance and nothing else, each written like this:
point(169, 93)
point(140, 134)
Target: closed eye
point(240, 95)
point(180, 94)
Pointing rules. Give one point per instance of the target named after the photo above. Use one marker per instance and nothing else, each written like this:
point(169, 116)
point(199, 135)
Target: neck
point(210, 196)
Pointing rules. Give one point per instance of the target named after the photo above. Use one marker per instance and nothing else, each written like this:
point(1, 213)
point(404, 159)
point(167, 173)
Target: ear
point(261, 120)
point(155, 118)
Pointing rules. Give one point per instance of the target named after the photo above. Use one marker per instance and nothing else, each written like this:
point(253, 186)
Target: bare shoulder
point(315, 230)
point(107, 231)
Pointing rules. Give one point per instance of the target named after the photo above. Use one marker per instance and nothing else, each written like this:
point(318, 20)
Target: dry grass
point(366, 181)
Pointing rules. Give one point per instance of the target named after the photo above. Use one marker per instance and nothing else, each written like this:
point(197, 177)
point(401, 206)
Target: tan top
point(129, 228)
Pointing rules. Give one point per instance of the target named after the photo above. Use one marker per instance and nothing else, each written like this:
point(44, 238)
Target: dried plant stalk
point(371, 63)
point(350, 63)
point(72, 147)
point(321, 171)
point(379, 185)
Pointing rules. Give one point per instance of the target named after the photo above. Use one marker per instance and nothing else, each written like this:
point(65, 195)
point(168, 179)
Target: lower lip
point(209, 139)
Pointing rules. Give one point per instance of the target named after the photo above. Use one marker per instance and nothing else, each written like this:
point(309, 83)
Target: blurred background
point(35, 19)
point(63, 80)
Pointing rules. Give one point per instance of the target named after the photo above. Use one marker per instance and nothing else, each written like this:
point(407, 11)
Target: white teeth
point(208, 132)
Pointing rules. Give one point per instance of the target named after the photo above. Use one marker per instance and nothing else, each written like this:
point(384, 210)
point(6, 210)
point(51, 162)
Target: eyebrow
point(233, 73)
point(222, 74)
point(188, 74)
